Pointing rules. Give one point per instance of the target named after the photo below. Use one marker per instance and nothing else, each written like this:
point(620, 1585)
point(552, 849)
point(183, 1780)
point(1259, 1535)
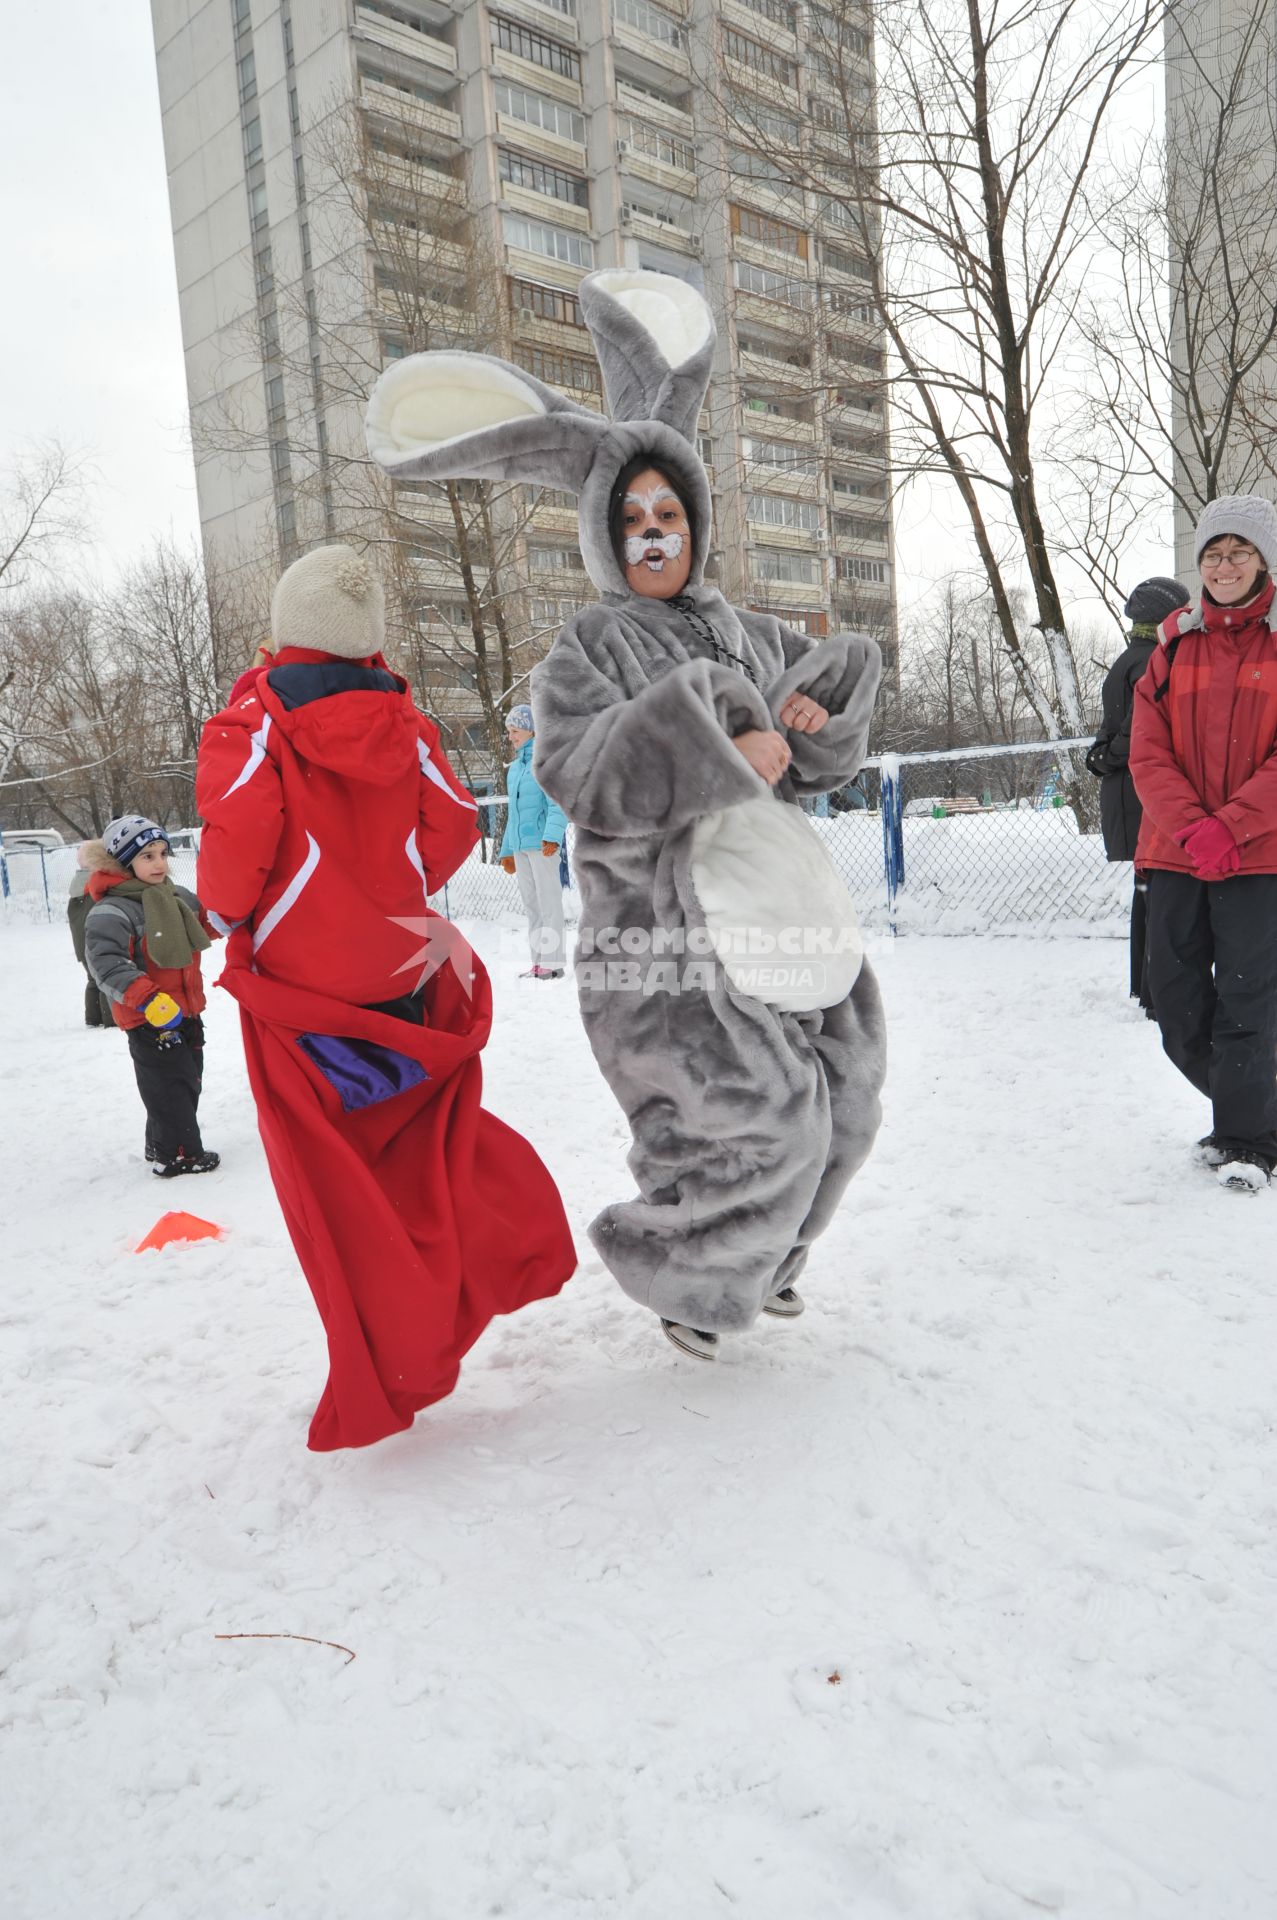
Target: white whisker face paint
point(639, 547)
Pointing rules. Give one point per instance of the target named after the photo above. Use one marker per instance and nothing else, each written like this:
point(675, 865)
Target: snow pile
point(952, 1600)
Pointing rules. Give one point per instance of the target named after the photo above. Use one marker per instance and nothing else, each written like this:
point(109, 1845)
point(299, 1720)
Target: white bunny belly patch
point(779, 914)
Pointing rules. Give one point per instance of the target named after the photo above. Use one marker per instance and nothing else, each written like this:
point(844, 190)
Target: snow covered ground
point(954, 1599)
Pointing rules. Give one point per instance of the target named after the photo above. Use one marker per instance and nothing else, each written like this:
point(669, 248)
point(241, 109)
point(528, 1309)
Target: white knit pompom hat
point(1247, 516)
point(331, 600)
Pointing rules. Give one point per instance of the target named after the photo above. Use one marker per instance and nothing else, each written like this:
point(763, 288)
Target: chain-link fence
point(975, 841)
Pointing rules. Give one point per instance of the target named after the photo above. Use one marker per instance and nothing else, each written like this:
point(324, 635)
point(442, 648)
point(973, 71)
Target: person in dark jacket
point(1204, 759)
point(97, 1005)
point(1151, 602)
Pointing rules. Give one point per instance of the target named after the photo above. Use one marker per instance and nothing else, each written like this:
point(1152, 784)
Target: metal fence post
point(893, 833)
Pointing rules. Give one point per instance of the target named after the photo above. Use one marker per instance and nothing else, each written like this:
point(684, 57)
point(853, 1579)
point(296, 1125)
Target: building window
point(653, 21)
point(761, 59)
point(555, 58)
point(553, 613)
point(536, 110)
point(778, 128)
point(258, 217)
point(294, 114)
point(560, 369)
point(246, 68)
point(555, 559)
point(853, 353)
point(770, 285)
point(537, 177)
point(392, 350)
point(801, 619)
point(851, 567)
point(833, 34)
point(556, 243)
point(545, 303)
point(287, 519)
point(852, 488)
point(654, 144)
point(550, 497)
point(776, 510)
point(838, 260)
point(240, 16)
point(781, 454)
point(253, 142)
point(768, 232)
point(856, 526)
point(775, 563)
point(275, 399)
point(778, 11)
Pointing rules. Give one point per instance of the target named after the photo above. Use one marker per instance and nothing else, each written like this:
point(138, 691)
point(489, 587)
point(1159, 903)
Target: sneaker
point(704, 1346)
point(186, 1163)
point(1209, 1153)
point(786, 1304)
point(1243, 1172)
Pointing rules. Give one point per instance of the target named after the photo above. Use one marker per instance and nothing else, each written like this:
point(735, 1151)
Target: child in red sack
point(142, 943)
point(330, 815)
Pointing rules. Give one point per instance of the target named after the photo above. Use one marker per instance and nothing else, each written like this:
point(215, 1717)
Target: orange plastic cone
point(172, 1228)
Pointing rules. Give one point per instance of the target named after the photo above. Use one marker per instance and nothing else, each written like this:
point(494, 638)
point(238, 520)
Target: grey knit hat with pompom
point(1247, 516)
point(330, 600)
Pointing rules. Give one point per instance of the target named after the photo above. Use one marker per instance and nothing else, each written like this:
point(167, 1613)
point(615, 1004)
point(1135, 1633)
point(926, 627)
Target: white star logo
point(442, 944)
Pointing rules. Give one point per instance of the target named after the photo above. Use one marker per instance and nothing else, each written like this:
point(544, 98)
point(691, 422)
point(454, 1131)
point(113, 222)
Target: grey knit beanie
point(1247, 516)
point(331, 600)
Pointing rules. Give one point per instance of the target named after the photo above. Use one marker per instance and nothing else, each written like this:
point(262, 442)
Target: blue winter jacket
point(531, 816)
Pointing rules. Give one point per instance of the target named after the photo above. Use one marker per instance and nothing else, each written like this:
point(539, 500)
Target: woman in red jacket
point(1204, 761)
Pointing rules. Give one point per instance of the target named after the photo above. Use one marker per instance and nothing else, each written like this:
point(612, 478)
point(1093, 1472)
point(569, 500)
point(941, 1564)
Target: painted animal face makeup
point(657, 540)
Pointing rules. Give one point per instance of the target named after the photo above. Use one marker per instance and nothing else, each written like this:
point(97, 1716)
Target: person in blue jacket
point(534, 830)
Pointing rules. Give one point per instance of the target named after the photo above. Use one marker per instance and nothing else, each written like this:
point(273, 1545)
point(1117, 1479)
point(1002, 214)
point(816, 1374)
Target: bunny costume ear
point(654, 335)
point(451, 416)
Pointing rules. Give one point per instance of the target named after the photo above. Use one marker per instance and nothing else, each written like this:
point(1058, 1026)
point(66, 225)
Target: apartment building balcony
point(535, 331)
point(639, 224)
point(544, 206)
point(776, 93)
point(564, 520)
point(789, 593)
point(405, 111)
point(415, 181)
point(542, 145)
point(557, 18)
point(774, 21)
point(442, 257)
point(777, 315)
point(643, 106)
point(876, 548)
point(655, 156)
point(646, 58)
point(538, 79)
point(523, 264)
point(785, 539)
point(435, 56)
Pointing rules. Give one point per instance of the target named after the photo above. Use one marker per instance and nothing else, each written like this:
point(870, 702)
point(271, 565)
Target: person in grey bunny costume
point(677, 733)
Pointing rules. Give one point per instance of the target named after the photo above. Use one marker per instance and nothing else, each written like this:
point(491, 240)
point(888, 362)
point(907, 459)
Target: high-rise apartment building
point(1221, 187)
point(324, 154)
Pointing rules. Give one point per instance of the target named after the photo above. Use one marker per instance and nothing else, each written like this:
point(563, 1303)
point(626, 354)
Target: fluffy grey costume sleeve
point(651, 761)
point(842, 674)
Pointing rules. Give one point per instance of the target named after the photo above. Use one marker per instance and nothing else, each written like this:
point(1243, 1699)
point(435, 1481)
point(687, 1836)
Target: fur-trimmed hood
point(94, 856)
point(451, 416)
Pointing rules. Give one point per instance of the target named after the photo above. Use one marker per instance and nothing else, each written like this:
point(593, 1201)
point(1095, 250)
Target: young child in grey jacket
point(143, 939)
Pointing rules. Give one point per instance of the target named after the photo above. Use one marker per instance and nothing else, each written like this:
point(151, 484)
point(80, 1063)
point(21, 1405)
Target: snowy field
point(954, 1599)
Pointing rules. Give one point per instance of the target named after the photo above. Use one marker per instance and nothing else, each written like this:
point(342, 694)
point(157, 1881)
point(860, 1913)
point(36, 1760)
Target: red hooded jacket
point(330, 812)
point(1208, 746)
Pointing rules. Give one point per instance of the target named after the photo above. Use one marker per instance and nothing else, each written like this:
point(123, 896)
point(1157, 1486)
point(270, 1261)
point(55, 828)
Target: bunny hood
point(448, 416)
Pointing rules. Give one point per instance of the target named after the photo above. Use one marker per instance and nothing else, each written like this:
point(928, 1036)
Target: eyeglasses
point(1237, 558)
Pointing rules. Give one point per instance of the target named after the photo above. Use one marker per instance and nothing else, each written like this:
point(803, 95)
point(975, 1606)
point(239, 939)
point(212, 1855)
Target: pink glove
point(1211, 848)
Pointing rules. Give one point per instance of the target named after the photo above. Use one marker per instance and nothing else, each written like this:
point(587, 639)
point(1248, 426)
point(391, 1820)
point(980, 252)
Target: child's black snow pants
point(170, 1072)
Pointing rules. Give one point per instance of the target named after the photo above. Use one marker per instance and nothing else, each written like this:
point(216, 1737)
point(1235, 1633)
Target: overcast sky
point(90, 338)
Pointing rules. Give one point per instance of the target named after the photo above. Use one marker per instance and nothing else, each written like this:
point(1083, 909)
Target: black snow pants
point(1139, 943)
point(1212, 968)
point(170, 1073)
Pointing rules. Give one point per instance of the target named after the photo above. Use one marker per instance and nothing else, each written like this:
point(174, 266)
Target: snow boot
point(1209, 1153)
point(1243, 1172)
point(703, 1346)
point(186, 1163)
point(786, 1304)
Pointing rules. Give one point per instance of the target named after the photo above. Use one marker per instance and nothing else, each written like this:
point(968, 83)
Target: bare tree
point(962, 209)
point(1184, 341)
point(43, 511)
